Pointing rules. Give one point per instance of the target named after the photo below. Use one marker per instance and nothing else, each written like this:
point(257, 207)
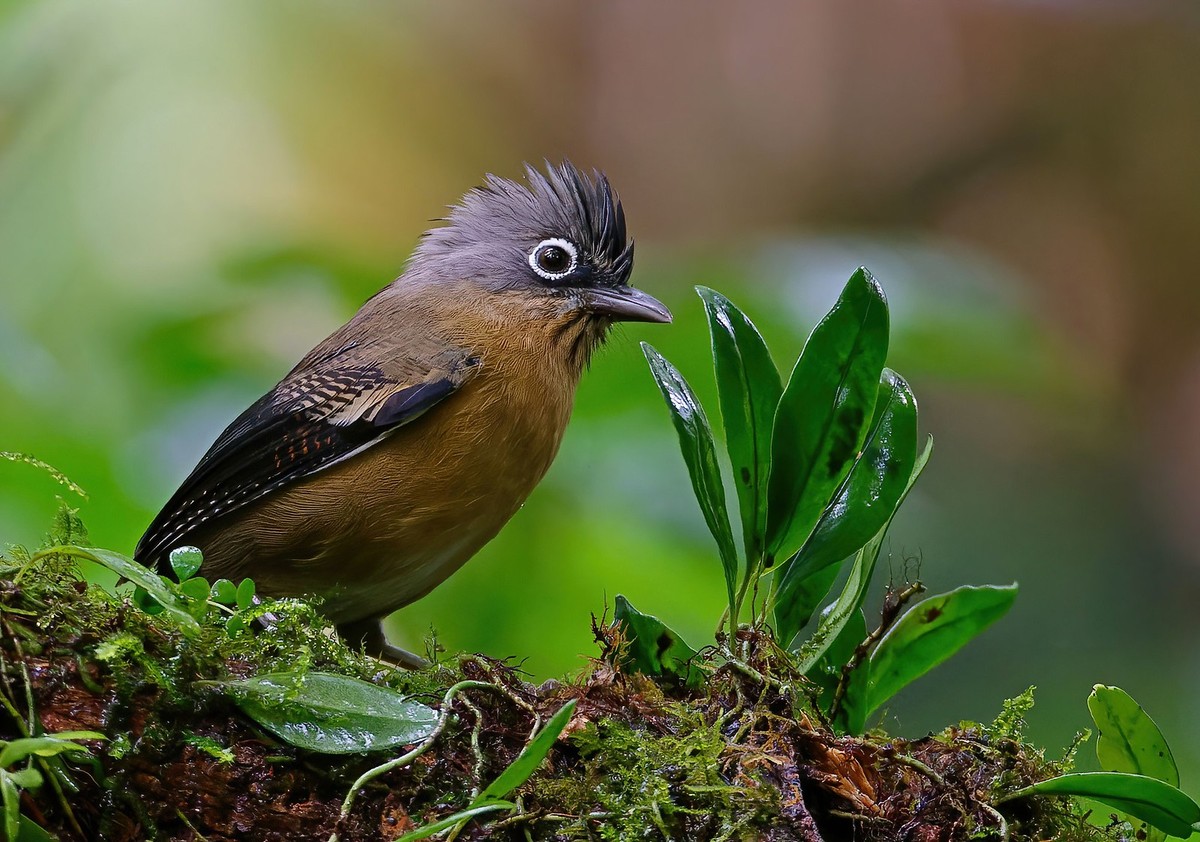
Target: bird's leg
point(367, 637)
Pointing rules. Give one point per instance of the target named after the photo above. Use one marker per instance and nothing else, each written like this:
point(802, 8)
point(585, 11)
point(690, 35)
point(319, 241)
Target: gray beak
point(625, 304)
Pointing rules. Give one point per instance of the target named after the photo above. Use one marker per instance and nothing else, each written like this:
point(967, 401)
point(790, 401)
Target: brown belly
point(383, 528)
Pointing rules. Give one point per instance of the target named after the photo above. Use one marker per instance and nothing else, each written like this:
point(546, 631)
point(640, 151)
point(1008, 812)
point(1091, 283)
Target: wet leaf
point(749, 389)
point(186, 562)
point(224, 592)
point(1149, 799)
point(54, 472)
point(654, 648)
point(31, 832)
point(245, 594)
point(825, 412)
point(196, 589)
point(12, 804)
point(854, 593)
point(27, 778)
point(144, 578)
point(528, 761)
point(46, 746)
point(696, 442)
point(864, 504)
point(930, 632)
point(332, 714)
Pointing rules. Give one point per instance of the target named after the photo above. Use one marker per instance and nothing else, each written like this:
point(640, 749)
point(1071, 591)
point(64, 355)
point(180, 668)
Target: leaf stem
point(754, 568)
point(1000, 820)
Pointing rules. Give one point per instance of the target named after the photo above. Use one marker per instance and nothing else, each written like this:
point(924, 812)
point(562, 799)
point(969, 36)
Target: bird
point(401, 444)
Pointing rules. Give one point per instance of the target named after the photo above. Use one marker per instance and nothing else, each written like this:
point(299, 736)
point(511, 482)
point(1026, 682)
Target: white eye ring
point(554, 242)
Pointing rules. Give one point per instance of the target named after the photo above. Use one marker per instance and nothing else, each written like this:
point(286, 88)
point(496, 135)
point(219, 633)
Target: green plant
point(1139, 777)
point(331, 714)
point(823, 504)
point(820, 466)
point(188, 601)
point(12, 781)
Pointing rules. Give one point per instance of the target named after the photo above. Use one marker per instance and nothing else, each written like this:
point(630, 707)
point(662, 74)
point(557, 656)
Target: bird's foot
point(367, 637)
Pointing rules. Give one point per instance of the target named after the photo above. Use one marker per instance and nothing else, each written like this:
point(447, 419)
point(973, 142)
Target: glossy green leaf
point(1149, 799)
point(12, 804)
point(795, 606)
point(749, 389)
point(450, 821)
point(1129, 740)
point(930, 632)
point(29, 778)
point(245, 594)
point(145, 602)
point(32, 832)
point(144, 578)
point(696, 442)
point(45, 746)
point(224, 592)
point(528, 761)
point(196, 589)
point(654, 649)
point(874, 487)
point(864, 505)
point(186, 562)
point(332, 714)
point(854, 593)
point(825, 412)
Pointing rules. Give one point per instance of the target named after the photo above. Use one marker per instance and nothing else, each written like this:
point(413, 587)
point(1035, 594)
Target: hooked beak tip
point(627, 304)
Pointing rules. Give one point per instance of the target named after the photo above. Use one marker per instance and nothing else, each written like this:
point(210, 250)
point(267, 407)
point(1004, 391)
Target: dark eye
point(554, 258)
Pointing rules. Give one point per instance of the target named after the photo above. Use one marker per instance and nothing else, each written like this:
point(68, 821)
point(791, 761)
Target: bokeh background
point(191, 195)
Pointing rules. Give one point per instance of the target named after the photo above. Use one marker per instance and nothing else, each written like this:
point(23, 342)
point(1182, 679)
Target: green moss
point(210, 747)
point(669, 782)
point(643, 761)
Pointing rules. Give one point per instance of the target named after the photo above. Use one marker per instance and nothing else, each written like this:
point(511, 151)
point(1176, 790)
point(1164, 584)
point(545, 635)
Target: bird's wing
point(311, 420)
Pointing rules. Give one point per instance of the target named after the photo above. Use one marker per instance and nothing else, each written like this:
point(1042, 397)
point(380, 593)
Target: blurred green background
point(191, 195)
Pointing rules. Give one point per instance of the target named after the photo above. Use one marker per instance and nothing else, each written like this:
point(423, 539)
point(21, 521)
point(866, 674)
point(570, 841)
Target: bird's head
point(559, 242)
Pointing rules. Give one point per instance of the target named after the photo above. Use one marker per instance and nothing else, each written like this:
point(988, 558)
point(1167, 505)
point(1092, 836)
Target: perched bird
point(401, 444)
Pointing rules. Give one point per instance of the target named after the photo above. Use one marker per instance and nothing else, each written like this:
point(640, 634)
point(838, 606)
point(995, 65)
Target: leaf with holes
point(930, 632)
point(654, 649)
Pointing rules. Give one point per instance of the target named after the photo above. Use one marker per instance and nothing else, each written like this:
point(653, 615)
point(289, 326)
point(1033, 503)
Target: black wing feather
point(289, 434)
